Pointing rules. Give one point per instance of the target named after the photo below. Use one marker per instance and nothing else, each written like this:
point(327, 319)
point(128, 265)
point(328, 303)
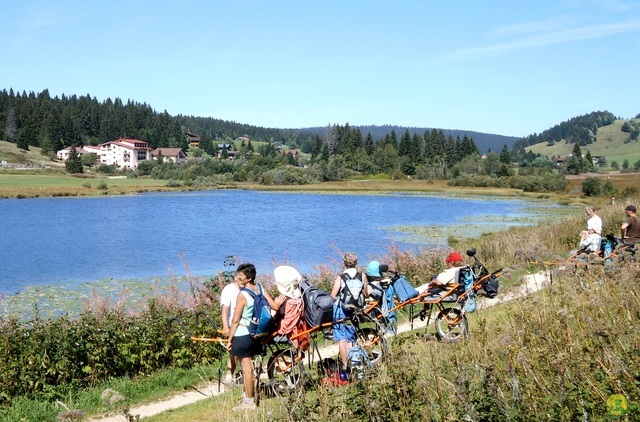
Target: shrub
point(591, 186)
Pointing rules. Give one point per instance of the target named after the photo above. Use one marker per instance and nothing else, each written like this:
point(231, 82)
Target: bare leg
point(343, 347)
point(247, 369)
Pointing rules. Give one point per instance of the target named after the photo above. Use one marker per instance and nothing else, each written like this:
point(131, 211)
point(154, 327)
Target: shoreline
point(55, 300)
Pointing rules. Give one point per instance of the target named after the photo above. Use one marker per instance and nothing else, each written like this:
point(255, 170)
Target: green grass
point(609, 143)
point(10, 153)
point(143, 390)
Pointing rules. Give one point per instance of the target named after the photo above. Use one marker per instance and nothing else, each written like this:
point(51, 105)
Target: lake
point(51, 241)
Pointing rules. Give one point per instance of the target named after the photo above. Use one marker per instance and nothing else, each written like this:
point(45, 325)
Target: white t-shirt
point(595, 223)
point(448, 276)
point(228, 297)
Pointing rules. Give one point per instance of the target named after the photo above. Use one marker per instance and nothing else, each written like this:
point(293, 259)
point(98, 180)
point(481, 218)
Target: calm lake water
point(69, 241)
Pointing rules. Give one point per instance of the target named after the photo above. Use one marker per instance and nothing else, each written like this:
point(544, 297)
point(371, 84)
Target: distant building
point(63, 154)
point(231, 152)
point(124, 153)
point(194, 140)
point(294, 152)
point(175, 155)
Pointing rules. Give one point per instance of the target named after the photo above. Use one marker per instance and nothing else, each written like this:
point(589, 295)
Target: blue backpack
point(403, 289)
point(352, 290)
point(358, 361)
point(465, 278)
point(261, 322)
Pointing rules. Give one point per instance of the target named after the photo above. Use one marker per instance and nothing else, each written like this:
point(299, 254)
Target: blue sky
point(503, 67)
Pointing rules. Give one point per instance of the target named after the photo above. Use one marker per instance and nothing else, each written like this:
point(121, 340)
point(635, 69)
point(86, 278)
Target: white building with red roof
point(124, 153)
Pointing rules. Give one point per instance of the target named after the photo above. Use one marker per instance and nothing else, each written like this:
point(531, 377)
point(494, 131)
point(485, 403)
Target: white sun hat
point(287, 281)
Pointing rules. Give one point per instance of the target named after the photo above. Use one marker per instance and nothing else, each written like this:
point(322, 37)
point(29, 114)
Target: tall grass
point(557, 355)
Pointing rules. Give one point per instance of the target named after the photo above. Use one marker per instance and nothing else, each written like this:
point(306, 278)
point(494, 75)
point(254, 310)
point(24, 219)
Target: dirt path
point(533, 283)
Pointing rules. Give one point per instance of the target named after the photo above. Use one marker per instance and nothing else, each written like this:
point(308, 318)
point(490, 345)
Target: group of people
point(590, 239)
point(237, 309)
point(237, 299)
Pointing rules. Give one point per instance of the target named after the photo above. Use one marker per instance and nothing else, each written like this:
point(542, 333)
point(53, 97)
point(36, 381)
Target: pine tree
point(73, 164)
point(368, 144)
point(505, 157)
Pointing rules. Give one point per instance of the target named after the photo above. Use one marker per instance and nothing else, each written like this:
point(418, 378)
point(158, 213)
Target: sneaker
point(245, 406)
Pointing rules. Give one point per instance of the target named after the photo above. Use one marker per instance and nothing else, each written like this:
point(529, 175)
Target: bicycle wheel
point(373, 341)
point(285, 371)
point(451, 325)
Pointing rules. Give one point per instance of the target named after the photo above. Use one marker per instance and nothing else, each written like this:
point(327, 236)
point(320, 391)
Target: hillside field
point(610, 143)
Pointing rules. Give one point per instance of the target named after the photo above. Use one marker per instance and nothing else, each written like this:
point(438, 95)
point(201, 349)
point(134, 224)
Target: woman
point(241, 345)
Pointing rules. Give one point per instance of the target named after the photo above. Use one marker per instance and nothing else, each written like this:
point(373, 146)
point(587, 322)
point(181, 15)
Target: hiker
point(381, 289)
point(346, 295)
point(630, 229)
point(438, 285)
point(242, 346)
point(593, 223)
point(228, 303)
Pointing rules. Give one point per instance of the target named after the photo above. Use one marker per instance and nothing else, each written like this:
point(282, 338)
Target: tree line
point(52, 123)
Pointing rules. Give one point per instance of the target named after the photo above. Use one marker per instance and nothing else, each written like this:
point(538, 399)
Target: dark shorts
point(245, 347)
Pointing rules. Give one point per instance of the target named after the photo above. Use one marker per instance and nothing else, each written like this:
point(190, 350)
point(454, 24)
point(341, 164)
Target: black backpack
point(489, 287)
point(352, 290)
point(318, 304)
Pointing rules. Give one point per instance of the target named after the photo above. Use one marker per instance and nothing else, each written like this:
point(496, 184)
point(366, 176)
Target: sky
point(511, 68)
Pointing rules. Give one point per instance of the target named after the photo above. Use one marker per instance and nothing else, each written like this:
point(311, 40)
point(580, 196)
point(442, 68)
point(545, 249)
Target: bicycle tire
point(285, 373)
point(374, 342)
point(451, 325)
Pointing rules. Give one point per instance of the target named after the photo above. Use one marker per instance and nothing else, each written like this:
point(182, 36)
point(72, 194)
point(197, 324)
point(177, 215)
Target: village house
point(124, 153)
point(175, 155)
point(294, 152)
point(63, 154)
point(194, 140)
point(231, 152)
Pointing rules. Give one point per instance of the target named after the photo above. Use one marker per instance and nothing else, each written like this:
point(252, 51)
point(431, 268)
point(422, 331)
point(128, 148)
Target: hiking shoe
point(245, 406)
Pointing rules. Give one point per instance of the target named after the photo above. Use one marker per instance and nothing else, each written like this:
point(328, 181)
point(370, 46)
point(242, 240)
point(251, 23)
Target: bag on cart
point(489, 287)
point(466, 280)
point(403, 289)
point(318, 304)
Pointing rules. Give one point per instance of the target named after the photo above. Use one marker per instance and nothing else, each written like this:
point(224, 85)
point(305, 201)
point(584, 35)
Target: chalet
point(194, 140)
point(124, 153)
point(175, 155)
point(231, 152)
point(294, 152)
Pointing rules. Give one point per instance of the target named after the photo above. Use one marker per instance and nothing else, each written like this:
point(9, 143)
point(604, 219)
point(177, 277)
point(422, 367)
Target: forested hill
point(581, 130)
point(484, 141)
point(52, 123)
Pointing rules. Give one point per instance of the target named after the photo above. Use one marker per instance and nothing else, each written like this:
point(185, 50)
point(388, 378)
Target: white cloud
point(541, 39)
